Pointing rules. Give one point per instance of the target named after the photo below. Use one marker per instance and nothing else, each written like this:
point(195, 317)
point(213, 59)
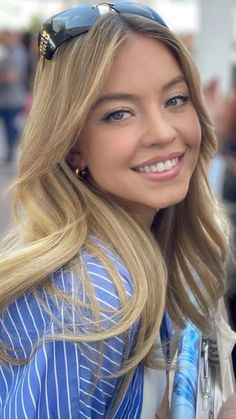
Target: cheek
point(198, 138)
point(195, 132)
point(90, 149)
point(109, 148)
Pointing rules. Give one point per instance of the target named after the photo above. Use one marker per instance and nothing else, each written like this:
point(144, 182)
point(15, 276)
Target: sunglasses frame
point(78, 20)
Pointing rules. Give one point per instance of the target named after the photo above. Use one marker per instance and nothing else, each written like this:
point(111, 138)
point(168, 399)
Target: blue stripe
point(58, 381)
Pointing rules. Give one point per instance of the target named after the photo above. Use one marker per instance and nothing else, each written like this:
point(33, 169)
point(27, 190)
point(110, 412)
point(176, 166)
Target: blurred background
point(207, 27)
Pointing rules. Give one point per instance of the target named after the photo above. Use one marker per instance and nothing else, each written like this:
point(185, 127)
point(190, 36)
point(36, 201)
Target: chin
point(176, 199)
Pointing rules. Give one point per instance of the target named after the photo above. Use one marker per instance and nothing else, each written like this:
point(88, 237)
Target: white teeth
point(159, 167)
point(168, 164)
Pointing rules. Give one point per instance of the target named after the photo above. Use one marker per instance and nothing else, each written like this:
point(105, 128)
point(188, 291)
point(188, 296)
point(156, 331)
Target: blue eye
point(117, 116)
point(176, 101)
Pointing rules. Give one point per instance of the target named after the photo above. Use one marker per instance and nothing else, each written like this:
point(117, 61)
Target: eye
point(117, 116)
point(176, 101)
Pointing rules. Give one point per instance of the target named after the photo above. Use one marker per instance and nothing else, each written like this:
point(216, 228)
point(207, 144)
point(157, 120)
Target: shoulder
point(100, 277)
point(37, 314)
point(72, 281)
point(60, 375)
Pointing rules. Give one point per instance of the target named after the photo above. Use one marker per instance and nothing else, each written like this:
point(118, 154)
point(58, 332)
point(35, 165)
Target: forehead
point(140, 59)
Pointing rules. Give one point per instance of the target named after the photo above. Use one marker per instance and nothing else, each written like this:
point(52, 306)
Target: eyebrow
point(174, 81)
point(132, 97)
point(115, 96)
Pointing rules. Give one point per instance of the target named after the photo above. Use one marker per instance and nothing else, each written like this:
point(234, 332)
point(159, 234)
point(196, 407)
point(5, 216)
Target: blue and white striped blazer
point(56, 382)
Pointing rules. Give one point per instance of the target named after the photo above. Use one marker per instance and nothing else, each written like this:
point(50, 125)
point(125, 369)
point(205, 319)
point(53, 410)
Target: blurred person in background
point(30, 42)
point(228, 139)
point(13, 89)
point(217, 167)
point(222, 174)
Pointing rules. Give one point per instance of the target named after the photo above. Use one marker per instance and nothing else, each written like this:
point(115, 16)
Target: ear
point(75, 159)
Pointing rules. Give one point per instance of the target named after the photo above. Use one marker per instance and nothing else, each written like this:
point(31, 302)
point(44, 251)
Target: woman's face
point(141, 140)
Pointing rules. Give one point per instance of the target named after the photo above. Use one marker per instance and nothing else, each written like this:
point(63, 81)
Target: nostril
point(159, 134)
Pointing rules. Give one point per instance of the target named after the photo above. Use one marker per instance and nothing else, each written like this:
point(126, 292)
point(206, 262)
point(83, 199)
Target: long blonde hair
point(179, 264)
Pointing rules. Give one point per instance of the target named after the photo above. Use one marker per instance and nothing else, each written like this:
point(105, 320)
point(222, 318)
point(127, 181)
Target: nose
point(157, 128)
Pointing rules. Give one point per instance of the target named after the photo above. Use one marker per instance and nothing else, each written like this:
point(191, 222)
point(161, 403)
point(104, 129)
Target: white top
point(154, 388)
point(153, 392)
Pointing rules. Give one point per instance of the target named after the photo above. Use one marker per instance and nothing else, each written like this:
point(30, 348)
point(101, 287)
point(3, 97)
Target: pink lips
point(160, 159)
point(165, 175)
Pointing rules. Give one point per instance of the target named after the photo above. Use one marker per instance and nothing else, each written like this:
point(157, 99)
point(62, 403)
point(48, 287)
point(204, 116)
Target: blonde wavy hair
point(179, 265)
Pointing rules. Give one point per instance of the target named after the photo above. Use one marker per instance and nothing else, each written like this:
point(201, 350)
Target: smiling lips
point(160, 166)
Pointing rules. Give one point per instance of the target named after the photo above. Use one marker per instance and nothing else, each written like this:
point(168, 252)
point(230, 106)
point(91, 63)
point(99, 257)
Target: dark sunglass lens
point(138, 9)
point(78, 20)
point(84, 16)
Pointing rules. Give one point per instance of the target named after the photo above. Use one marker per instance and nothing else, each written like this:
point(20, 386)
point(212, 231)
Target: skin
point(152, 118)
point(228, 409)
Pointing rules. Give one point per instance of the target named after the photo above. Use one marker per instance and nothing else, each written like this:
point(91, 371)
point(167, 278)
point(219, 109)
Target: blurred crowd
point(222, 175)
point(18, 58)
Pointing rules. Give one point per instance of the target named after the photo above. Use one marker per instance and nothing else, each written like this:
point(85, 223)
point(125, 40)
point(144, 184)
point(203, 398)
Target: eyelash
point(108, 118)
point(183, 98)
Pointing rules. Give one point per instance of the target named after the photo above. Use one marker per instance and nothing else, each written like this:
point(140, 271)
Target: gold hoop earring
point(80, 174)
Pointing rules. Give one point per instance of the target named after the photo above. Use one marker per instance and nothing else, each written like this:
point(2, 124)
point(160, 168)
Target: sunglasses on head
point(78, 20)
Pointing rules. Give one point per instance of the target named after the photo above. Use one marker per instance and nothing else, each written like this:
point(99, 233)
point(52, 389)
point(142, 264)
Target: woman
point(117, 225)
